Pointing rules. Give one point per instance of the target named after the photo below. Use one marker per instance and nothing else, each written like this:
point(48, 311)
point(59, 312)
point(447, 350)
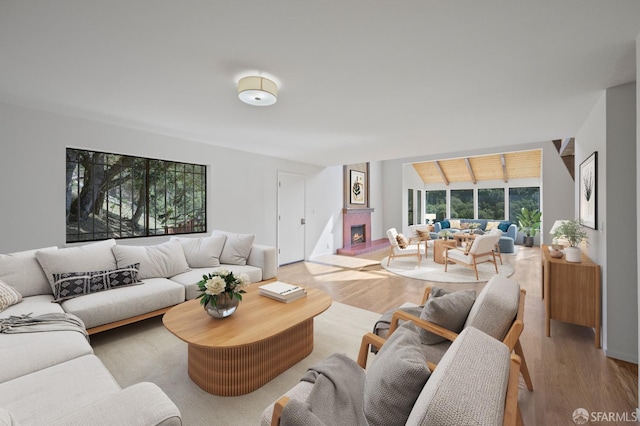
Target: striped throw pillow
point(8, 296)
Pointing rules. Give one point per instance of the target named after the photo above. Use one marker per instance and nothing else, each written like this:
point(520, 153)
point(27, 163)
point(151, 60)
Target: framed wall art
point(588, 192)
point(357, 187)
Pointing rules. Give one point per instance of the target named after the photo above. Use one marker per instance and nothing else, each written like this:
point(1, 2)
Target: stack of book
point(282, 291)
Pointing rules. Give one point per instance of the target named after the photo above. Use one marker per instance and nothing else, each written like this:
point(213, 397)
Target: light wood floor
point(568, 372)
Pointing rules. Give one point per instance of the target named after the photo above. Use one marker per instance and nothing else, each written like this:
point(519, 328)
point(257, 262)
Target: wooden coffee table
point(262, 339)
point(438, 248)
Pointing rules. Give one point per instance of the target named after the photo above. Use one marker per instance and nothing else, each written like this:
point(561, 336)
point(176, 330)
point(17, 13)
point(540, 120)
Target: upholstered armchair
point(479, 250)
point(400, 246)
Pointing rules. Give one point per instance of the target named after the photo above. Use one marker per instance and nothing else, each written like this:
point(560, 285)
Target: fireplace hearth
point(356, 233)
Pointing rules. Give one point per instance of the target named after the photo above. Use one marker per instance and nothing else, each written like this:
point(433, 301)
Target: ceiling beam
point(504, 168)
point(444, 178)
point(473, 176)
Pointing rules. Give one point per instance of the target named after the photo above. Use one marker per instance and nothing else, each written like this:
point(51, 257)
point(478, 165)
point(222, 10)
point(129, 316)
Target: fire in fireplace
point(357, 234)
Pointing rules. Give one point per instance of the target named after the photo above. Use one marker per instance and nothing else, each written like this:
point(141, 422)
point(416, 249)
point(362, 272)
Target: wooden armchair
point(480, 249)
point(473, 354)
point(411, 248)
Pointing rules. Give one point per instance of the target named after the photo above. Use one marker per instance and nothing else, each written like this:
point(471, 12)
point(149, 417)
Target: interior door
point(291, 219)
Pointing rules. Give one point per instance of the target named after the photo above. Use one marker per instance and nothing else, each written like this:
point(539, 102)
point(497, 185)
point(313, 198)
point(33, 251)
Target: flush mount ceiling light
point(258, 91)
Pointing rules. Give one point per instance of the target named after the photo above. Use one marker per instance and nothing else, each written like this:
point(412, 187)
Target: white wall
point(241, 187)
point(610, 129)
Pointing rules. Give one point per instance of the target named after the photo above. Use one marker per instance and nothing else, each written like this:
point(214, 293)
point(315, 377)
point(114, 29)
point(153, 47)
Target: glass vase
point(225, 306)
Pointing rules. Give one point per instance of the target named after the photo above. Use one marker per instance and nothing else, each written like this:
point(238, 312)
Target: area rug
point(344, 261)
point(146, 351)
point(431, 271)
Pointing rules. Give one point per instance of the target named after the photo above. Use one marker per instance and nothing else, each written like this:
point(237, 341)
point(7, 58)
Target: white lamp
point(430, 217)
point(556, 225)
point(257, 91)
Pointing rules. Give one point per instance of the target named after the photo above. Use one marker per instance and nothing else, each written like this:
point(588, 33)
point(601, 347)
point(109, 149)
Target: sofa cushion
point(58, 389)
point(74, 284)
point(22, 271)
point(158, 261)
point(446, 309)
point(126, 302)
point(190, 279)
point(35, 305)
point(237, 247)
point(399, 370)
point(29, 352)
point(202, 252)
point(8, 296)
point(504, 226)
point(90, 257)
point(455, 223)
point(491, 225)
point(496, 307)
point(468, 387)
point(6, 419)
point(444, 224)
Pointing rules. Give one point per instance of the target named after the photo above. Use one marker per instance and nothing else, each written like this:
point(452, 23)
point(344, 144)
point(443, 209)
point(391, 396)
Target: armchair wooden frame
point(474, 256)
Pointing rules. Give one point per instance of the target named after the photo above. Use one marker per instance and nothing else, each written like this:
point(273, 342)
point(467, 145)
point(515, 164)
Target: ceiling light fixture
point(258, 91)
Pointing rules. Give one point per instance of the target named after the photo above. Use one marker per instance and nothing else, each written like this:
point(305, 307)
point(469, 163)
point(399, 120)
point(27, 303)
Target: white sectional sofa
point(52, 376)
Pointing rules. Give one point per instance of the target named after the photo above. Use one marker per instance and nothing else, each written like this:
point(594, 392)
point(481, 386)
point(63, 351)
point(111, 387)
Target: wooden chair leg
point(475, 267)
point(495, 262)
point(390, 256)
point(523, 365)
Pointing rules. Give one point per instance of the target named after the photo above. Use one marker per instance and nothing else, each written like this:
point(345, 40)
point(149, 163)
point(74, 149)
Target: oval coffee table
point(238, 354)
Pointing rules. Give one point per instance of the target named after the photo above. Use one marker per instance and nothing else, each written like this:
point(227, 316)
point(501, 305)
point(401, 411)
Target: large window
point(419, 206)
point(491, 203)
point(528, 197)
point(462, 203)
point(436, 202)
point(120, 196)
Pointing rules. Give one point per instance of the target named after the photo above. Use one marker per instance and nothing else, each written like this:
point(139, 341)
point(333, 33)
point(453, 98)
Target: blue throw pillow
point(504, 226)
point(444, 224)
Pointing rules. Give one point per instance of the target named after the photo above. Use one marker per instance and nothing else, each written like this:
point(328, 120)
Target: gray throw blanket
point(337, 397)
point(45, 322)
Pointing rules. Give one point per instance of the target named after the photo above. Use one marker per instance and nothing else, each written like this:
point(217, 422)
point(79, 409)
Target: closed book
point(298, 295)
point(279, 288)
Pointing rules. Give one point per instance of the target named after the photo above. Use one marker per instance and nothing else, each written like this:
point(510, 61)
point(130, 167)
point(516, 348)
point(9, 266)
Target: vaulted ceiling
point(358, 80)
point(505, 167)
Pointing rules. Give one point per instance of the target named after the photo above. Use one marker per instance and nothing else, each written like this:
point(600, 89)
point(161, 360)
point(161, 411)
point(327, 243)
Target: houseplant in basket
point(529, 222)
point(572, 231)
point(222, 292)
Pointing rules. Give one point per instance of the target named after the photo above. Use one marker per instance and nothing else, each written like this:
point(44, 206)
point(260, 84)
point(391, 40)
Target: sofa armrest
point(512, 231)
point(140, 404)
point(264, 257)
point(436, 227)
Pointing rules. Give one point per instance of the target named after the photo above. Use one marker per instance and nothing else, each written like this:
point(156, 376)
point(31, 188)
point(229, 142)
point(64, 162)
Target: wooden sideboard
point(571, 292)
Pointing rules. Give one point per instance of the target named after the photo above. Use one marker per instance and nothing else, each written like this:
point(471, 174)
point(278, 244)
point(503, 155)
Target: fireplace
point(357, 234)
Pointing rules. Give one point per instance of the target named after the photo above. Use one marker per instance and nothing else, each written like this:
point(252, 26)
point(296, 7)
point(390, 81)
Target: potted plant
point(572, 231)
point(529, 222)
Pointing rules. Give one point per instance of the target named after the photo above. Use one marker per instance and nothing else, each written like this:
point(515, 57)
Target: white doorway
point(291, 218)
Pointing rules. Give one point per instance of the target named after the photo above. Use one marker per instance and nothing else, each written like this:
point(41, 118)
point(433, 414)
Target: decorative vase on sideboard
point(225, 306)
point(573, 254)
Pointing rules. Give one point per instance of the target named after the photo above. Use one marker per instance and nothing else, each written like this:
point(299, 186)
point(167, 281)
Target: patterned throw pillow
point(402, 241)
point(8, 296)
point(68, 285)
point(423, 235)
point(468, 246)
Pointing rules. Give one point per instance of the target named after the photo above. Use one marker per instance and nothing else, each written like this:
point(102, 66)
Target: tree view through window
point(491, 203)
point(120, 196)
point(462, 203)
point(528, 197)
point(436, 202)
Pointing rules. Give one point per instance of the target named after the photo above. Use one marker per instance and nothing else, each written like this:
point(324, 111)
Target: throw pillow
point(448, 310)
point(90, 257)
point(22, 271)
point(237, 247)
point(402, 241)
point(445, 224)
point(8, 296)
point(395, 378)
point(491, 225)
point(160, 261)
point(202, 252)
point(465, 225)
point(423, 235)
point(73, 284)
point(504, 226)
point(478, 231)
point(454, 223)
point(468, 246)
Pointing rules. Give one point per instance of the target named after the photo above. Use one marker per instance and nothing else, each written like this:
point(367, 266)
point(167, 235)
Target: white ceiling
point(359, 80)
